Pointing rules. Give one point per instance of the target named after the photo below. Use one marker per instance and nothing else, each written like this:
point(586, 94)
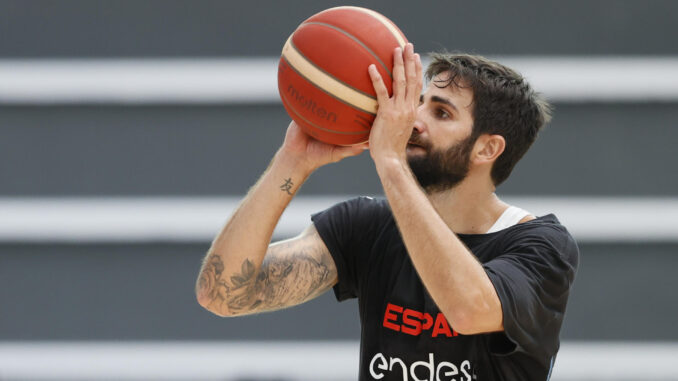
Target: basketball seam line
point(363, 118)
point(326, 73)
point(284, 99)
point(390, 25)
point(361, 122)
point(354, 38)
point(320, 88)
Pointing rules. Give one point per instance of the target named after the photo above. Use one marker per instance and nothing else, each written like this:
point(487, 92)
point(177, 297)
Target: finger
point(399, 81)
point(292, 129)
point(342, 152)
point(378, 84)
point(410, 73)
point(419, 70)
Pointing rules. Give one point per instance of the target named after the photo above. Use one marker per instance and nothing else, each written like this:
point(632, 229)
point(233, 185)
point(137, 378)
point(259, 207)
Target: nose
point(419, 125)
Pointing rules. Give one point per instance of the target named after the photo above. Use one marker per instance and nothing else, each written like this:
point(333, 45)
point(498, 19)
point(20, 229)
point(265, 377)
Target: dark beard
point(440, 170)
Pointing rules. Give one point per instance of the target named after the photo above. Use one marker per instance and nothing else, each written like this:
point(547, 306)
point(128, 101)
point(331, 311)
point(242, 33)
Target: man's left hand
point(396, 114)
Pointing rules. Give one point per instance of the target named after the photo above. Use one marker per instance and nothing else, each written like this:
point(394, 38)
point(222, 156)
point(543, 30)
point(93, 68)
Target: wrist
point(387, 156)
point(390, 167)
point(390, 162)
point(293, 164)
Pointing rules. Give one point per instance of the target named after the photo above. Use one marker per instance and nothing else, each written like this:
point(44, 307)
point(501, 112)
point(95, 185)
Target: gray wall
point(159, 28)
point(589, 149)
point(144, 291)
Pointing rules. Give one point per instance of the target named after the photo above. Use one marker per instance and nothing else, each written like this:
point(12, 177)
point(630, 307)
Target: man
point(453, 283)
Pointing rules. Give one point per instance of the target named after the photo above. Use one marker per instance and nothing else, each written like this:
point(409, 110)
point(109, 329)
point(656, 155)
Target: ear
point(488, 148)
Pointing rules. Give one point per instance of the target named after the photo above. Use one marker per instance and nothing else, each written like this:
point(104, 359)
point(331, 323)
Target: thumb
point(348, 151)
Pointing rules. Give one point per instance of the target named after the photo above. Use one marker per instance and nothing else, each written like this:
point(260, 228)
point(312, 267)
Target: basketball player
point(452, 282)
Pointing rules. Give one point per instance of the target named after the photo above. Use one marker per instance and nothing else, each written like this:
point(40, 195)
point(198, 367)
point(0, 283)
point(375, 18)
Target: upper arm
point(533, 283)
point(293, 271)
point(299, 269)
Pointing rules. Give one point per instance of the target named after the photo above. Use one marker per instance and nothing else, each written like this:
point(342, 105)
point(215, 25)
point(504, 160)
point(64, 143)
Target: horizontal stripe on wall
point(581, 361)
point(253, 80)
point(195, 219)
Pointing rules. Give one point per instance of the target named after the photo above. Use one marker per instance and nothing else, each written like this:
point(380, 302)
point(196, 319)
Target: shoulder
point(354, 219)
point(375, 204)
point(545, 234)
point(363, 207)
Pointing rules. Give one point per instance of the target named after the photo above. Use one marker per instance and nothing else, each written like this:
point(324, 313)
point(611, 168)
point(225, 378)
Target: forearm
point(237, 252)
point(451, 273)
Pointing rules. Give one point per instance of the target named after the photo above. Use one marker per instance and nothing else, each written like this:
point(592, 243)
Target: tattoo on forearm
point(281, 282)
point(287, 186)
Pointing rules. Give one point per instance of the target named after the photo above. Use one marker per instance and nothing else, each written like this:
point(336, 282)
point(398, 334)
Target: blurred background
point(129, 130)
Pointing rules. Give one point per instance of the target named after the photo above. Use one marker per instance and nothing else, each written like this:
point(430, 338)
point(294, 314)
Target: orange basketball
point(322, 73)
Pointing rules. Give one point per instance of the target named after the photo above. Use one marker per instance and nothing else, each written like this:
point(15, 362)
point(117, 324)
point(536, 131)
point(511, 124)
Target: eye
point(441, 113)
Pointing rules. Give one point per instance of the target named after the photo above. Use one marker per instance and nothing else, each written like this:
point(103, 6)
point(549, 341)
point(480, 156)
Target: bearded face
point(437, 170)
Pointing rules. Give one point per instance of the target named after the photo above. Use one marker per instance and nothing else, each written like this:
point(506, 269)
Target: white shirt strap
point(511, 216)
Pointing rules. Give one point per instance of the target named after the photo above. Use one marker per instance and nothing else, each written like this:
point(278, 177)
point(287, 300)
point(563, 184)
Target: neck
point(471, 207)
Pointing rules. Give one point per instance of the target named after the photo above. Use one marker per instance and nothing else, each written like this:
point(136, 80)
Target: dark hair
point(503, 104)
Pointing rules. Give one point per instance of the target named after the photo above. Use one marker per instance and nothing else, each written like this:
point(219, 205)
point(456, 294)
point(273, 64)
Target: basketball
point(322, 74)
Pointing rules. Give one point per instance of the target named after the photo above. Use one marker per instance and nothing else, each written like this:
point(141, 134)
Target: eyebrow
point(444, 101)
point(438, 99)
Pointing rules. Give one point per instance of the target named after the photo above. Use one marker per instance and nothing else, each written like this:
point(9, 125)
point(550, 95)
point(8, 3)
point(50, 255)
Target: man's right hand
point(310, 153)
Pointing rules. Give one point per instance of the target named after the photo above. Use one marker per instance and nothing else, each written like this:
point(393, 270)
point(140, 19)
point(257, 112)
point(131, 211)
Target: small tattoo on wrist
point(287, 186)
